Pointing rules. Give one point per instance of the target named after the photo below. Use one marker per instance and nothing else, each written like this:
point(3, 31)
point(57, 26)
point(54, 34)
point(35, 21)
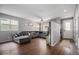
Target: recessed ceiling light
point(65, 10)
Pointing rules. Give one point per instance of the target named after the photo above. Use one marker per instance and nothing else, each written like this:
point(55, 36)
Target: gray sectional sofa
point(26, 36)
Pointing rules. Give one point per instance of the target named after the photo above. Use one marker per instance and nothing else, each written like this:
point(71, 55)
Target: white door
point(67, 29)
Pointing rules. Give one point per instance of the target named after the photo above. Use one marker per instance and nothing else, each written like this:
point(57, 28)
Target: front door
point(67, 29)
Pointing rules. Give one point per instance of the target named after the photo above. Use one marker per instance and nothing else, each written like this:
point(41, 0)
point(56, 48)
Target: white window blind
point(8, 25)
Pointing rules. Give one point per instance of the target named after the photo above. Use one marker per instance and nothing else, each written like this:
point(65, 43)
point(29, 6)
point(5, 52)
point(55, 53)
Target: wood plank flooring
point(38, 47)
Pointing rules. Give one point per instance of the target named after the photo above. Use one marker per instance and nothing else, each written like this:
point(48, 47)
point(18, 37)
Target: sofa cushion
point(17, 35)
point(21, 37)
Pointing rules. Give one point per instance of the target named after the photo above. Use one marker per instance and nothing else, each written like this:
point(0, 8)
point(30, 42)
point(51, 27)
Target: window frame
point(68, 26)
point(9, 26)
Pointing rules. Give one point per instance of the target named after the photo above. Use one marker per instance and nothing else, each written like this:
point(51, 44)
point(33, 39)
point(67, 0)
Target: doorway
point(67, 29)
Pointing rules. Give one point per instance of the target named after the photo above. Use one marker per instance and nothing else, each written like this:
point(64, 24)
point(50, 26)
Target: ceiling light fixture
point(65, 10)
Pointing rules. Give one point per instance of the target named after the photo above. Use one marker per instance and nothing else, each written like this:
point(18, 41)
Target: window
point(14, 25)
point(67, 25)
point(5, 24)
point(8, 25)
point(45, 26)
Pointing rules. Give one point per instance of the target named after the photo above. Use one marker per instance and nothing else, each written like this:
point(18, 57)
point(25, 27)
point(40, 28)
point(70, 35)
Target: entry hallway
point(38, 47)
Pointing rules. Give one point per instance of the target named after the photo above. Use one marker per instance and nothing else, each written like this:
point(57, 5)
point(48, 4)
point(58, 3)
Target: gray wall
point(25, 26)
point(5, 35)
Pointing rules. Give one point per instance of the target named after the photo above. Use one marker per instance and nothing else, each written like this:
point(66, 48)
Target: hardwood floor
point(38, 47)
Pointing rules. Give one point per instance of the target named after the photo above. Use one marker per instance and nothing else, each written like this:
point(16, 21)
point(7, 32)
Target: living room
point(30, 29)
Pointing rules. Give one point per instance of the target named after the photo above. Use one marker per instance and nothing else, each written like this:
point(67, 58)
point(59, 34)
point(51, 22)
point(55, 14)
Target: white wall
point(55, 32)
point(76, 26)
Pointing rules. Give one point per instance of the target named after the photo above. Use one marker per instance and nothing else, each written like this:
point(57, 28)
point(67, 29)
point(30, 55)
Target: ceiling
point(36, 12)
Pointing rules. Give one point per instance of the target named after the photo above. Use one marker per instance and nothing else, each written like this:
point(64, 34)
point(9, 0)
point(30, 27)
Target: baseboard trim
point(5, 42)
point(56, 42)
point(68, 38)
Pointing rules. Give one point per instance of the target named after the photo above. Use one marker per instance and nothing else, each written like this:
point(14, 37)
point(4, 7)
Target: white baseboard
point(55, 43)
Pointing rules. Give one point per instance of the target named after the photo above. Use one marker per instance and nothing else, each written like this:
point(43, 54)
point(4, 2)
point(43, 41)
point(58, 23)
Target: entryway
point(67, 29)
